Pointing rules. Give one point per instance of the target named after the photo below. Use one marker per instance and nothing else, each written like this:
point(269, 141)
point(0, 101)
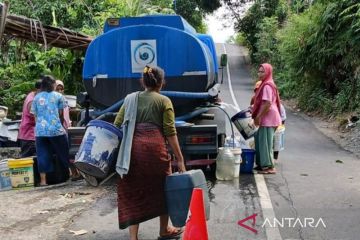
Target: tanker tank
point(115, 60)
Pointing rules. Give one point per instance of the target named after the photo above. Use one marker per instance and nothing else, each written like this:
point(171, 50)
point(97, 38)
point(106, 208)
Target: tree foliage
point(21, 63)
point(249, 22)
point(195, 11)
point(313, 46)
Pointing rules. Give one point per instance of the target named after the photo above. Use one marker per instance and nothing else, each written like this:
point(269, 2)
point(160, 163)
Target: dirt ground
point(43, 213)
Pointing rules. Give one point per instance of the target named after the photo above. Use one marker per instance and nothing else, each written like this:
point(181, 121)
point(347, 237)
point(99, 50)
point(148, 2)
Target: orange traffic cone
point(196, 228)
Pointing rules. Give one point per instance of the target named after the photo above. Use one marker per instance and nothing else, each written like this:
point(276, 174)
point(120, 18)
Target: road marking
point(229, 78)
point(264, 196)
point(267, 207)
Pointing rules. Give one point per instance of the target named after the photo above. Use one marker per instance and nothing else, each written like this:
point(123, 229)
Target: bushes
point(315, 53)
point(17, 79)
point(319, 46)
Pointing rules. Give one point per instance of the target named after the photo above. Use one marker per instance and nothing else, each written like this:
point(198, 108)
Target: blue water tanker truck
point(115, 60)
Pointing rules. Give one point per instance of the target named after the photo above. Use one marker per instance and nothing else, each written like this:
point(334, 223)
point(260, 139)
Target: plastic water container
point(178, 190)
point(228, 163)
point(21, 173)
point(99, 148)
point(237, 161)
point(279, 138)
point(248, 159)
point(70, 100)
point(244, 123)
point(5, 180)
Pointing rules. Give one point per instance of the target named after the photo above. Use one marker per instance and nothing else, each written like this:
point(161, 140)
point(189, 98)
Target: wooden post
point(4, 11)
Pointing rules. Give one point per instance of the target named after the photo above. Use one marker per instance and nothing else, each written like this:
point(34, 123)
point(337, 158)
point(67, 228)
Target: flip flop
point(268, 171)
point(258, 168)
point(175, 235)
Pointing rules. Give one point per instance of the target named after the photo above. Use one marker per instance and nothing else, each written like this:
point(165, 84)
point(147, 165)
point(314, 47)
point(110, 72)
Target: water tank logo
point(143, 52)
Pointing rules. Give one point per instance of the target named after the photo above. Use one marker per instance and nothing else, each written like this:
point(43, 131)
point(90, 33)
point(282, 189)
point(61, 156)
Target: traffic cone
point(196, 228)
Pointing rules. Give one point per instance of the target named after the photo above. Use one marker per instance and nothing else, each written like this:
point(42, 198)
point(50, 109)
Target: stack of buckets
point(5, 182)
point(16, 173)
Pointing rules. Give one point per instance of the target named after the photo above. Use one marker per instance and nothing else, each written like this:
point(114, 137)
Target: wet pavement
point(230, 201)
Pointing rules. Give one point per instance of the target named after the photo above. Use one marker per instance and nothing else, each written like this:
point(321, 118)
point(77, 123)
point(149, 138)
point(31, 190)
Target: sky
point(215, 26)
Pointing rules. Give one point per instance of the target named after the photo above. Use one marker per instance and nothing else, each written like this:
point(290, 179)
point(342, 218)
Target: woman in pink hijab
point(266, 115)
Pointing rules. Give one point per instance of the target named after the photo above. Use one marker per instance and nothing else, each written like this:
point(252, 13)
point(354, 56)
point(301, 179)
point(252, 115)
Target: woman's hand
point(181, 166)
point(174, 143)
point(257, 121)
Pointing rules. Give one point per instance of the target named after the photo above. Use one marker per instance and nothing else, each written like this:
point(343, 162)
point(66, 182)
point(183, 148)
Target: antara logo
point(282, 222)
point(253, 218)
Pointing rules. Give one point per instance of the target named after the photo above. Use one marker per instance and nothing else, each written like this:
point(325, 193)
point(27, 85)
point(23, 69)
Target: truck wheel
point(90, 179)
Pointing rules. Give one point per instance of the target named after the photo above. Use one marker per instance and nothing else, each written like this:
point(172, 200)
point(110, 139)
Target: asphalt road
point(316, 179)
point(310, 188)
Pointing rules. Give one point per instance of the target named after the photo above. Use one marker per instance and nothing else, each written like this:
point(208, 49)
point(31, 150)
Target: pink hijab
point(267, 80)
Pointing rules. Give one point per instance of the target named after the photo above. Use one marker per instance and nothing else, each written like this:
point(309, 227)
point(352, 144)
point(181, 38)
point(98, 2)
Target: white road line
point(272, 233)
point(264, 196)
point(229, 78)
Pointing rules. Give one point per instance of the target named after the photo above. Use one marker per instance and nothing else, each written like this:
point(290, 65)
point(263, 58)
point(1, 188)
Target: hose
point(113, 108)
point(174, 94)
point(232, 128)
point(189, 95)
point(192, 114)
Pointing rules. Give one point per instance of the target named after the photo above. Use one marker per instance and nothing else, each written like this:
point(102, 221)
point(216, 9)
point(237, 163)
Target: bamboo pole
point(33, 30)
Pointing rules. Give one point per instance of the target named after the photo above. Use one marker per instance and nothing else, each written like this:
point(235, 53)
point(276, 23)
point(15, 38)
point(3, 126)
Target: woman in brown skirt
point(141, 194)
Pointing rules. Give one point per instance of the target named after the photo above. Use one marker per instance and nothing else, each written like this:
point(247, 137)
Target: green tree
point(195, 11)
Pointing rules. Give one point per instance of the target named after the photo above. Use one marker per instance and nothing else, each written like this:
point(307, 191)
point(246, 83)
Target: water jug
point(178, 190)
point(228, 163)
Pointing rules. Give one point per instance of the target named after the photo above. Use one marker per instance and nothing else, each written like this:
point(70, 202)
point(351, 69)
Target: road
point(311, 187)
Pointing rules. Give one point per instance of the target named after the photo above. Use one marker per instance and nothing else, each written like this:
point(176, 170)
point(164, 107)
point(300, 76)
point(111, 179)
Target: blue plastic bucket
point(244, 123)
point(248, 158)
point(99, 148)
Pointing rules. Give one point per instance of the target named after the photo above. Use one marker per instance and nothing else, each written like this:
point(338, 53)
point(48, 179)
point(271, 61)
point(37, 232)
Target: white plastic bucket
point(279, 138)
point(237, 161)
point(244, 123)
point(98, 151)
point(70, 100)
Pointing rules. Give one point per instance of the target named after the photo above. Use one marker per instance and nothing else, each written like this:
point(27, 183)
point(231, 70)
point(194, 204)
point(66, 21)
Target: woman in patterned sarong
point(141, 194)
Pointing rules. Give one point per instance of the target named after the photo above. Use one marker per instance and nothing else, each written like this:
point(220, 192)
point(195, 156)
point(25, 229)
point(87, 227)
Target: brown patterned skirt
point(141, 193)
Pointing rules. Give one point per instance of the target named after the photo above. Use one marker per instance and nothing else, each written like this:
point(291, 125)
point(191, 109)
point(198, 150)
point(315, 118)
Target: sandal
point(258, 168)
point(173, 235)
point(268, 171)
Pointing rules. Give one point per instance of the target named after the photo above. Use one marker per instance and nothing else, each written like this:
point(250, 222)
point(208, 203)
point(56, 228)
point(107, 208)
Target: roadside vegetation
point(313, 46)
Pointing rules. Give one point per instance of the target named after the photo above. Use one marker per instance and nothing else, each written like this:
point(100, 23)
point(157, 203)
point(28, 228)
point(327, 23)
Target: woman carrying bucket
point(266, 115)
point(147, 120)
